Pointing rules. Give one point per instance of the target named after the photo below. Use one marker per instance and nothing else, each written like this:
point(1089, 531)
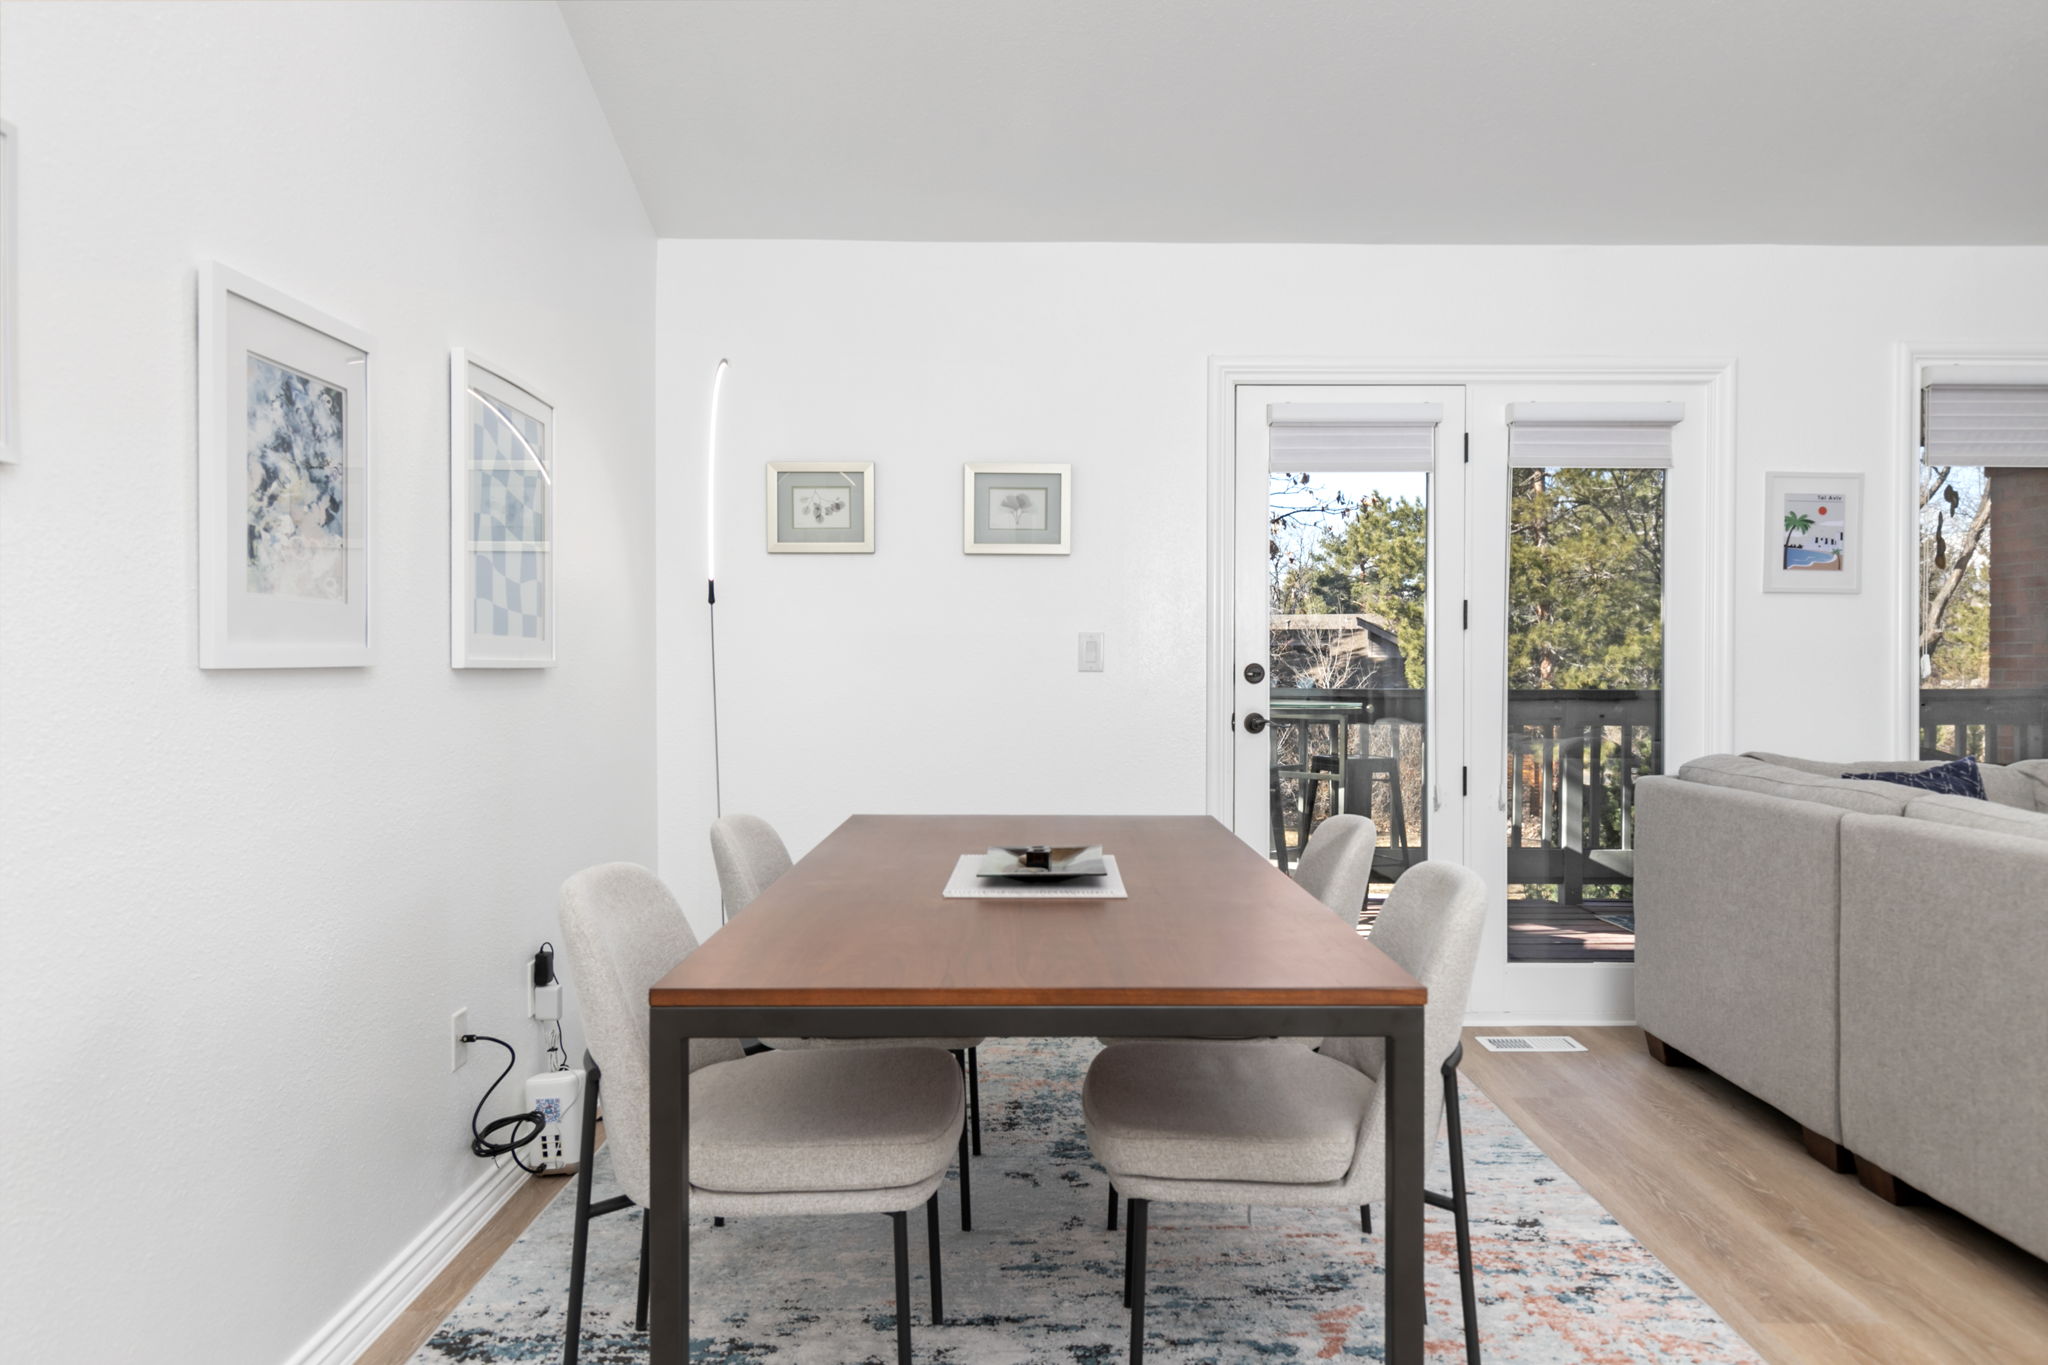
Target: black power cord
point(480, 1141)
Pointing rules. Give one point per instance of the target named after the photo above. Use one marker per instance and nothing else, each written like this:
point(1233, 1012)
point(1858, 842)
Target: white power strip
point(1515, 1042)
point(558, 1095)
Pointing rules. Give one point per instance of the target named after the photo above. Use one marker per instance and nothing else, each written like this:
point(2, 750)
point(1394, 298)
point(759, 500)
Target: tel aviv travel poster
point(1816, 532)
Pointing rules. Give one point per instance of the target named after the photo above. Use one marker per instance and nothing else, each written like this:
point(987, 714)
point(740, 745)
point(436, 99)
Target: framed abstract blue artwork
point(501, 472)
point(284, 481)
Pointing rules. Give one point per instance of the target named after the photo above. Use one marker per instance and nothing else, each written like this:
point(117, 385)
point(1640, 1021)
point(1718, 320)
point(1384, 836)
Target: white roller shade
point(1338, 438)
point(1592, 435)
point(1984, 424)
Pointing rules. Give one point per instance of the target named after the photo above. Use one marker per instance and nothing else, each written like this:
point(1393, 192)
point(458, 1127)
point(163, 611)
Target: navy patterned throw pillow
point(1960, 778)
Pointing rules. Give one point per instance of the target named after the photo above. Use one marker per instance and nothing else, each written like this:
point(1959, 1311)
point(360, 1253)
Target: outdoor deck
point(1544, 931)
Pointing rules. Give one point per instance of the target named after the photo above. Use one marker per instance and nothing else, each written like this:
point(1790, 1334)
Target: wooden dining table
point(858, 941)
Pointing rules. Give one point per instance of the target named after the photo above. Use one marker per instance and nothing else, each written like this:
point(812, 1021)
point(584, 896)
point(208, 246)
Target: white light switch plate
point(1091, 651)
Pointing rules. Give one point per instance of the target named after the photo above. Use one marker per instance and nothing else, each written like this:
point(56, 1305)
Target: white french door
point(1463, 612)
point(1349, 668)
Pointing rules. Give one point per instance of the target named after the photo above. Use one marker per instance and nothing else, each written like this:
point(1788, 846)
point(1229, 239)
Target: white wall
point(921, 678)
point(239, 907)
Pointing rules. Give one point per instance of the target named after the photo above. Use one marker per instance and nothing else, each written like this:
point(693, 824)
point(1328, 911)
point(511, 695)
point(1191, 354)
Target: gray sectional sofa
point(1867, 957)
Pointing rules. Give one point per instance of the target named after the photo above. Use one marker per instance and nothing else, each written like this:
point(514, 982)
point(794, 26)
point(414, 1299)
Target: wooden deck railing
point(1569, 769)
point(1990, 724)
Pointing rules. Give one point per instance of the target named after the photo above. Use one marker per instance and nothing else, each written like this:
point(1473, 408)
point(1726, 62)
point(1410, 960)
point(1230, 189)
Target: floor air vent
point(1556, 1042)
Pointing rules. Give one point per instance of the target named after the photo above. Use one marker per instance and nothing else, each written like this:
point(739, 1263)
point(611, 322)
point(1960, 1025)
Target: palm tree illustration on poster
point(1815, 532)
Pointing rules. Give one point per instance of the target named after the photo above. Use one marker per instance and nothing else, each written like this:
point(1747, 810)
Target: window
point(1983, 566)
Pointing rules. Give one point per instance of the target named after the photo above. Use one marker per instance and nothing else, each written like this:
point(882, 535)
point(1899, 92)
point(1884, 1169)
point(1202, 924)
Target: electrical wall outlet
point(458, 1051)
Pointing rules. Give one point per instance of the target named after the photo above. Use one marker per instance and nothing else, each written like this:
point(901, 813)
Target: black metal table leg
point(1112, 1208)
point(669, 1178)
point(931, 1232)
point(1402, 1076)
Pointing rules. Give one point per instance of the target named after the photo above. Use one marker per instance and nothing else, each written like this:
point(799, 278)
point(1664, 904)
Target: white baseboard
point(349, 1333)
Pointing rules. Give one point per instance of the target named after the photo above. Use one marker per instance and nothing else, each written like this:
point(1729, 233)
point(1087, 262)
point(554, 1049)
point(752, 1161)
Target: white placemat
point(964, 885)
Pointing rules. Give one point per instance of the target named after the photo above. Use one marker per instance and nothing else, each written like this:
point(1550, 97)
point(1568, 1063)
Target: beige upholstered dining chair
point(1335, 868)
point(772, 1134)
point(1242, 1123)
point(1337, 864)
point(749, 856)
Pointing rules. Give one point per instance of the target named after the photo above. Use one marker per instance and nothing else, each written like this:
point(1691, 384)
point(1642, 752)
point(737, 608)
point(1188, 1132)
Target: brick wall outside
point(2019, 577)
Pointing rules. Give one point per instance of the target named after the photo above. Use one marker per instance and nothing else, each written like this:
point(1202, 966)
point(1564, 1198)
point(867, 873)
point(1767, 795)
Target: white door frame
point(1607, 995)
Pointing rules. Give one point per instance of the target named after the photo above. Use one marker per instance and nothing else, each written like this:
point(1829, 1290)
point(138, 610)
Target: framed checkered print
point(502, 498)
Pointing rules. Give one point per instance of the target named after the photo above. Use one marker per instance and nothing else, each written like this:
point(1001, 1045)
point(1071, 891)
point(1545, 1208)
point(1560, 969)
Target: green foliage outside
point(1585, 569)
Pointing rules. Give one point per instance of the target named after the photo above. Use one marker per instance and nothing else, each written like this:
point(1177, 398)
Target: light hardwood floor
point(404, 1337)
point(1811, 1268)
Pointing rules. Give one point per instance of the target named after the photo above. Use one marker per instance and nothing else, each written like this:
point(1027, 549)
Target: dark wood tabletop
point(863, 920)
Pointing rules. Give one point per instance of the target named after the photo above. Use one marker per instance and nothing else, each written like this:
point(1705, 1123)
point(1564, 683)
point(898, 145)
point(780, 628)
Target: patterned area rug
point(1039, 1280)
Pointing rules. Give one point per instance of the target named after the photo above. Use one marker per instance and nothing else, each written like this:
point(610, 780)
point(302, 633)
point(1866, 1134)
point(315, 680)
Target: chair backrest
point(1336, 866)
point(749, 855)
point(622, 931)
point(1430, 924)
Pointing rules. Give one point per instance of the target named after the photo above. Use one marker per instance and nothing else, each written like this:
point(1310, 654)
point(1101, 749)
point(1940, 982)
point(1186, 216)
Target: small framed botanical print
point(501, 496)
point(284, 481)
point(821, 508)
point(1814, 533)
point(1017, 509)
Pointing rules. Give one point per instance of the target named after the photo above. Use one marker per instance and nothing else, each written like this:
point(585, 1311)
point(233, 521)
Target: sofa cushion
point(1961, 777)
point(1792, 784)
point(2034, 772)
point(2024, 785)
point(1984, 815)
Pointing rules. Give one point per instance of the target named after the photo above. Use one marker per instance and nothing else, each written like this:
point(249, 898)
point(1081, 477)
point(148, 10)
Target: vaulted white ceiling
point(1843, 121)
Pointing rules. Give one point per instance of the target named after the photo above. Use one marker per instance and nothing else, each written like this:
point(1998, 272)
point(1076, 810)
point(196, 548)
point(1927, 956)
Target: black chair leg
point(900, 1224)
point(1460, 1210)
point(1136, 1264)
point(1365, 1219)
point(966, 1186)
point(1112, 1208)
point(1127, 1262)
point(974, 1093)
point(718, 1222)
point(931, 1232)
point(640, 1310)
point(579, 1242)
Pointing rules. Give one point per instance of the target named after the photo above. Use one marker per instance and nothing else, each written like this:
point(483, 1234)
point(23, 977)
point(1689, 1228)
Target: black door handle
point(1254, 723)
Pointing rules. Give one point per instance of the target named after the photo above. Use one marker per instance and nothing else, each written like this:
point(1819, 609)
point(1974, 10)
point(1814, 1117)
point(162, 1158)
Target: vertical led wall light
point(711, 574)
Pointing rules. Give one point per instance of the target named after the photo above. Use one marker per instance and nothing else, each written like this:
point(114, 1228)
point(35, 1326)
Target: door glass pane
point(1984, 613)
point(1348, 559)
point(1585, 704)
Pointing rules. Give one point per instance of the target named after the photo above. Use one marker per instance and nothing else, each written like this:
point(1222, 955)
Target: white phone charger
point(544, 1002)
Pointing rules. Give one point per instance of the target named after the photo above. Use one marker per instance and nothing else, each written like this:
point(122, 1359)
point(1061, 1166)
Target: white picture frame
point(284, 480)
point(1017, 509)
point(821, 507)
point(502, 441)
point(1814, 533)
point(10, 288)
